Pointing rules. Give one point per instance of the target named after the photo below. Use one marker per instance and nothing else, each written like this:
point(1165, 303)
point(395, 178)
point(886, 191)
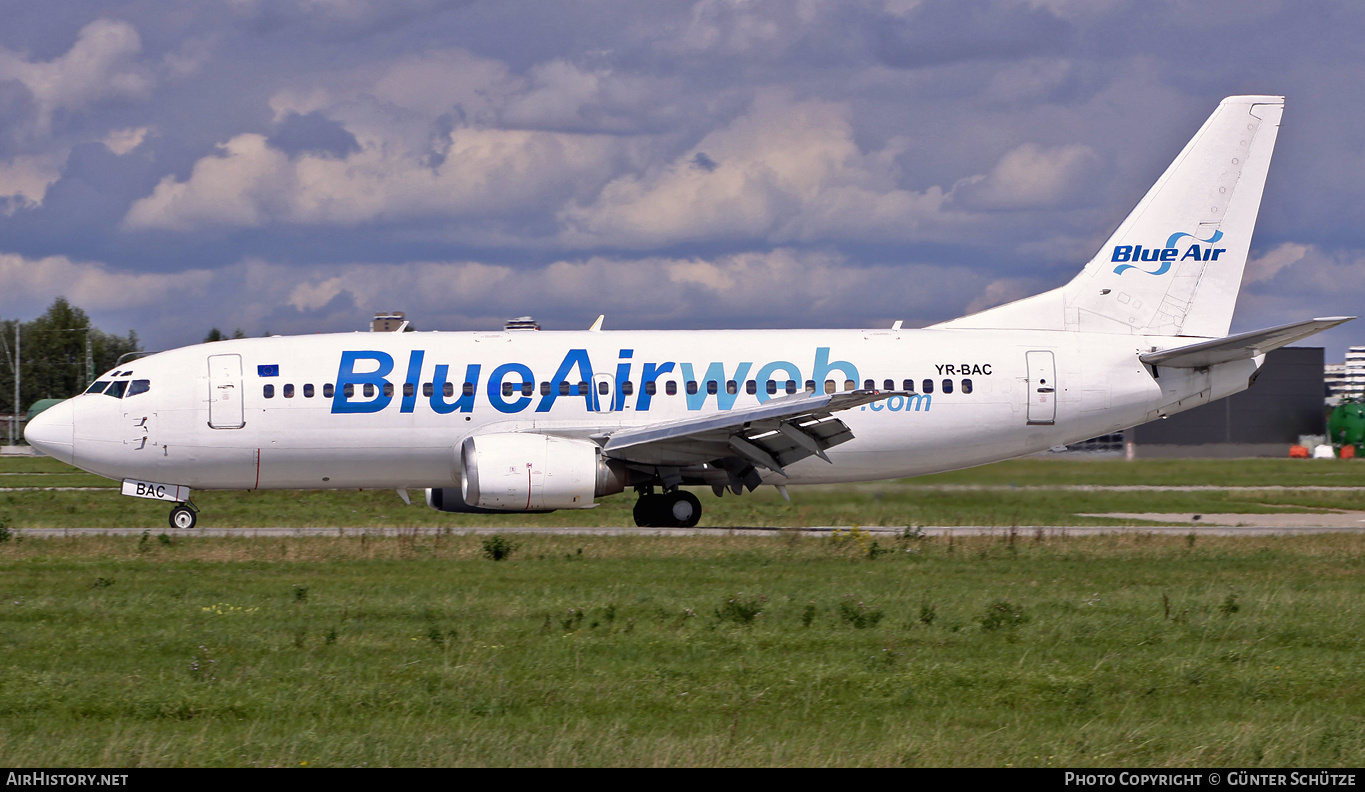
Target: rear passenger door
point(1042, 388)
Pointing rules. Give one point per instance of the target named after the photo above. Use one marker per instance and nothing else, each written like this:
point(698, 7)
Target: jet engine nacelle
point(523, 472)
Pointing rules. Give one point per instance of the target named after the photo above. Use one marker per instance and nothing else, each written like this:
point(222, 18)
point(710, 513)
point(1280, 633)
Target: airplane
point(534, 421)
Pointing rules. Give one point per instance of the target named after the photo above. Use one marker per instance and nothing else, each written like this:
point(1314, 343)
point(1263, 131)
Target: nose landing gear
point(675, 509)
point(183, 516)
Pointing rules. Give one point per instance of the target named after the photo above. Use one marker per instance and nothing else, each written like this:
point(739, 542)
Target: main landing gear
point(674, 509)
point(183, 516)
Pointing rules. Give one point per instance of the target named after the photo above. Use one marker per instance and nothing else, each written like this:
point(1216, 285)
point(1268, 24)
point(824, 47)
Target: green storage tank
point(1346, 426)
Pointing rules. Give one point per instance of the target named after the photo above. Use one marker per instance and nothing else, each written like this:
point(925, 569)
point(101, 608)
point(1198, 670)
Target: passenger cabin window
point(563, 389)
point(889, 385)
point(966, 386)
point(544, 389)
point(627, 387)
point(851, 385)
point(671, 388)
point(751, 387)
point(388, 389)
point(428, 389)
point(791, 386)
point(447, 389)
point(651, 388)
point(928, 386)
point(408, 390)
point(829, 386)
point(810, 386)
point(947, 386)
point(349, 390)
point(328, 389)
point(908, 385)
point(869, 384)
point(268, 391)
point(527, 388)
point(369, 390)
point(712, 387)
point(288, 391)
point(308, 391)
point(691, 387)
point(771, 387)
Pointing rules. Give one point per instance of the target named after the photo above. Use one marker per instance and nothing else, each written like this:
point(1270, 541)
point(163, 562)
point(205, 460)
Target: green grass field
point(1021, 649)
point(1022, 492)
point(1120, 650)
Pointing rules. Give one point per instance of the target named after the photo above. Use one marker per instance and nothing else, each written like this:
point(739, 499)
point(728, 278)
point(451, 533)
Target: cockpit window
point(138, 386)
point(116, 390)
point(98, 387)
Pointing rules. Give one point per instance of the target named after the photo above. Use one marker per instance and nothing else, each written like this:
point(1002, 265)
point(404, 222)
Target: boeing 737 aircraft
point(527, 421)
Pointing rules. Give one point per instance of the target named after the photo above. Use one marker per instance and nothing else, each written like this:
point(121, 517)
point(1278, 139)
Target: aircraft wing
point(770, 435)
point(1242, 346)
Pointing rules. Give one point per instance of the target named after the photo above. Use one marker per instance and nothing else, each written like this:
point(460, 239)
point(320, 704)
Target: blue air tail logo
point(1202, 250)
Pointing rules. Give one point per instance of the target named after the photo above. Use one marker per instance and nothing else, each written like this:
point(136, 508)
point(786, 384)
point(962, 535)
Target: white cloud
point(777, 288)
point(1263, 268)
point(122, 141)
point(485, 172)
point(785, 171)
point(24, 180)
point(428, 147)
point(192, 55)
point(730, 27)
point(1030, 80)
point(1005, 290)
point(561, 95)
point(98, 66)
point(1031, 177)
point(439, 81)
point(25, 283)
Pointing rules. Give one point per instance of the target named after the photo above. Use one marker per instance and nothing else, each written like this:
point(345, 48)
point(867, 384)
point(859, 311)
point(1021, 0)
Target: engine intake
point(521, 472)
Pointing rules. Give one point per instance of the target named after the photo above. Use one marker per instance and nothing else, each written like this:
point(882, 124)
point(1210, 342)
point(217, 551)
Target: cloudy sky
point(293, 166)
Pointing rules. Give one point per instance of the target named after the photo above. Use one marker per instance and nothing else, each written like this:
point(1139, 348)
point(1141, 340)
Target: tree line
point(52, 355)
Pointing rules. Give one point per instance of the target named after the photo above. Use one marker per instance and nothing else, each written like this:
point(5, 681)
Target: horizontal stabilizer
point(1240, 347)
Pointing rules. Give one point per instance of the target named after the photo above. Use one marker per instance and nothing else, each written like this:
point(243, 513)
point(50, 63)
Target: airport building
point(1346, 381)
point(387, 322)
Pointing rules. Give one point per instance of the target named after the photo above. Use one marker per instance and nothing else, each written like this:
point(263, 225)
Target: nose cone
point(52, 431)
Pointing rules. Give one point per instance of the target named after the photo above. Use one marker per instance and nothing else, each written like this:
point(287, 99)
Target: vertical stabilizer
point(1174, 266)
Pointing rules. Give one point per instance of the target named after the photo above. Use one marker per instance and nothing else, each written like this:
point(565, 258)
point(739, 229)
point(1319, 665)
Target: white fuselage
point(273, 413)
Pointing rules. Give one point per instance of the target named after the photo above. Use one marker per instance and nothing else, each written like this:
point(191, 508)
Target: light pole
point(14, 364)
point(17, 420)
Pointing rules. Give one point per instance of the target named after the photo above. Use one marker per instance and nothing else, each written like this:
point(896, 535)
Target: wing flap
point(1242, 346)
point(771, 435)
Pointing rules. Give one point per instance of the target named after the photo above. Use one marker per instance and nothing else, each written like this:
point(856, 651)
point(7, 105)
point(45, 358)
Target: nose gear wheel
point(183, 517)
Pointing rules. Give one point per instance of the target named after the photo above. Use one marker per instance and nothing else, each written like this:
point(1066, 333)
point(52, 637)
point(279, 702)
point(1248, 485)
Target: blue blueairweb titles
point(360, 368)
